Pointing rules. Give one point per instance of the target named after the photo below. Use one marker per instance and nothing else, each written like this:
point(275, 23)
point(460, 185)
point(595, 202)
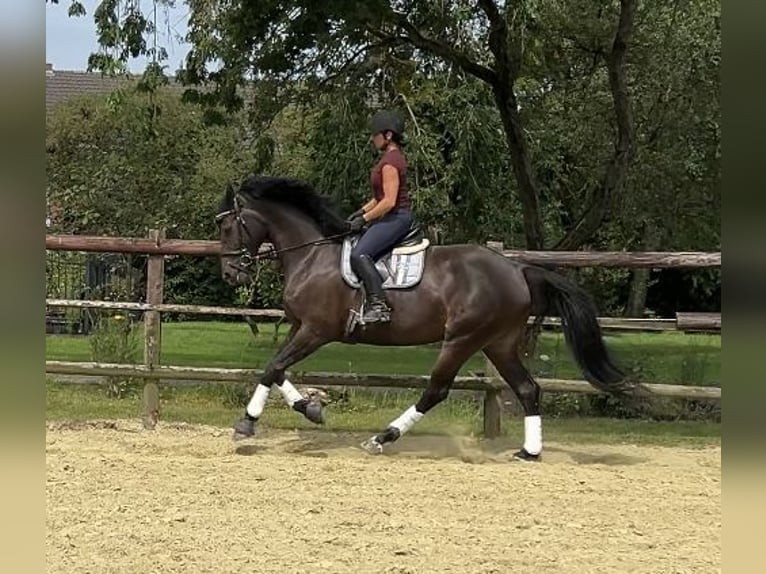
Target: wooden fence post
point(510, 403)
point(493, 413)
point(155, 281)
point(493, 400)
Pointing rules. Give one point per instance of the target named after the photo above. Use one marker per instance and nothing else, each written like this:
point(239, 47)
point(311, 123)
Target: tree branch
point(351, 59)
point(443, 50)
point(490, 9)
point(613, 183)
point(498, 38)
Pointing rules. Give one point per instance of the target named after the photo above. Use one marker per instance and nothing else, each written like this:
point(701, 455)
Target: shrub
point(114, 340)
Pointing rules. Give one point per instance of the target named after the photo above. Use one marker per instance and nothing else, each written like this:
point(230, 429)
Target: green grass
point(650, 357)
point(671, 357)
point(365, 411)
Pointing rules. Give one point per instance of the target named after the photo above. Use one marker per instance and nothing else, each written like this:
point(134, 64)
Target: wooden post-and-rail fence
point(157, 247)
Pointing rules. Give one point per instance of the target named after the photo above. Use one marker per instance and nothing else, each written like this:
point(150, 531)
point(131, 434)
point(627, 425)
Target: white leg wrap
point(533, 434)
point(256, 404)
point(289, 393)
point(407, 420)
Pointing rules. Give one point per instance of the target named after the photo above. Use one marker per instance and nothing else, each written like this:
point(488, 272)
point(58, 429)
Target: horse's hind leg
point(451, 358)
point(504, 355)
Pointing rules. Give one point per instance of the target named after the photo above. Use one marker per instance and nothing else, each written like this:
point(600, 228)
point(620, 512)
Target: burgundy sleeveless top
point(396, 158)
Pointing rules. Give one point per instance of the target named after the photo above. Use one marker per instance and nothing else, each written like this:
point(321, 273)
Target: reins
point(329, 239)
point(247, 259)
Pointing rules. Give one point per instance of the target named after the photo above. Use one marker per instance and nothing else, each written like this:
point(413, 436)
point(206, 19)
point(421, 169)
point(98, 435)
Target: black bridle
point(246, 258)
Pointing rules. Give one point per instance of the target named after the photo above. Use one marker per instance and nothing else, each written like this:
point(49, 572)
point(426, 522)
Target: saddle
point(400, 268)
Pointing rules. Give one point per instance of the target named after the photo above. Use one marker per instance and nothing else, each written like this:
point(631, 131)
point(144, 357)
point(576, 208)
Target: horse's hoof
point(314, 412)
point(372, 446)
point(245, 428)
point(524, 456)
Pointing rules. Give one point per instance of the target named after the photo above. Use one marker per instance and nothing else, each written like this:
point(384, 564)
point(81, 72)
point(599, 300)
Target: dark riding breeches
point(382, 235)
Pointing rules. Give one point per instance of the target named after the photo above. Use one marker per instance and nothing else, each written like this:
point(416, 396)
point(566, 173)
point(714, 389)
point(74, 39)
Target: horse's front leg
point(300, 344)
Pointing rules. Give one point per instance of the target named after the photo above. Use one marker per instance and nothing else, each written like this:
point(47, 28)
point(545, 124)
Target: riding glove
point(357, 223)
point(357, 213)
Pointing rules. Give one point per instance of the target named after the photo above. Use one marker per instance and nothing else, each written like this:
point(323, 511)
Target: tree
point(290, 45)
point(115, 168)
point(673, 197)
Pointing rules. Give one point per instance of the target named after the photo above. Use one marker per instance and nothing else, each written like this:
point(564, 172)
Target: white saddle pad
point(400, 269)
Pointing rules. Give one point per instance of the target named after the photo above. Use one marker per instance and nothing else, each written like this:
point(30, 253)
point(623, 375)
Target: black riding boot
point(376, 308)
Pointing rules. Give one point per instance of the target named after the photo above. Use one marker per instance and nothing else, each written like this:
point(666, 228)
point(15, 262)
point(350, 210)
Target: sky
point(69, 41)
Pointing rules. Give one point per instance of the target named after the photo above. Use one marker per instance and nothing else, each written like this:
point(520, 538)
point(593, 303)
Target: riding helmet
point(387, 120)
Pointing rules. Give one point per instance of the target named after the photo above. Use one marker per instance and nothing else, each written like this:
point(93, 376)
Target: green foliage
point(114, 168)
point(339, 150)
point(458, 176)
point(462, 168)
point(268, 287)
point(75, 9)
point(675, 181)
point(235, 395)
point(195, 281)
point(114, 340)
point(608, 284)
point(365, 55)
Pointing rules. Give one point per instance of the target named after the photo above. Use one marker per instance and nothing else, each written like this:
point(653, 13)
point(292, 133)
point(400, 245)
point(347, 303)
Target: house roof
point(60, 85)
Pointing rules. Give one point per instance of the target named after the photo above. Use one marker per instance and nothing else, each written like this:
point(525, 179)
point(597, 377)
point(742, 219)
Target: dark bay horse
point(470, 298)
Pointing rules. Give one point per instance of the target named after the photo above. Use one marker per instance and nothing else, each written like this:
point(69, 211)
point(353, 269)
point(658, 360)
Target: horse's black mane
point(293, 192)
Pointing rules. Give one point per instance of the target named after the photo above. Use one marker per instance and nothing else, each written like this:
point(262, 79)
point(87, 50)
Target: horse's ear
point(231, 193)
point(228, 198)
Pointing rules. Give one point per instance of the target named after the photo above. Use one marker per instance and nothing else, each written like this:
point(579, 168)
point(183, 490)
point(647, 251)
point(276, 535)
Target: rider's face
point(379, 141)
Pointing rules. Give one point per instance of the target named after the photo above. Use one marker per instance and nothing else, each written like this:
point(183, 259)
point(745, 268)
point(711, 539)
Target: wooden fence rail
point(489, 385)
point(157, 247)
point(706, 322)
point(166, 308)
point(97, 244)
point(650, 259)
point(320, 379)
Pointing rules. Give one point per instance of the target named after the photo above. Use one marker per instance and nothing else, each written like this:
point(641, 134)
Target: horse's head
point(242, 231)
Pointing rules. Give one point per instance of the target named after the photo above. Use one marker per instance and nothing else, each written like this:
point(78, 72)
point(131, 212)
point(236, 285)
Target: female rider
point(387, 213)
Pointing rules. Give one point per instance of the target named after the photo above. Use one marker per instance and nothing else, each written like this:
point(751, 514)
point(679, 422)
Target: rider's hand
point(357, 213)
point(357, 223)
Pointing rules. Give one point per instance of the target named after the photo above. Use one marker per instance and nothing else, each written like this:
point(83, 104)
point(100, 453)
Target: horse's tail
point(554, 294)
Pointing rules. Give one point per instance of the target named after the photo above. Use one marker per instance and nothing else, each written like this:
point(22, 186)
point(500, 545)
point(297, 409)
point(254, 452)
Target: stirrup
point(377, 312)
